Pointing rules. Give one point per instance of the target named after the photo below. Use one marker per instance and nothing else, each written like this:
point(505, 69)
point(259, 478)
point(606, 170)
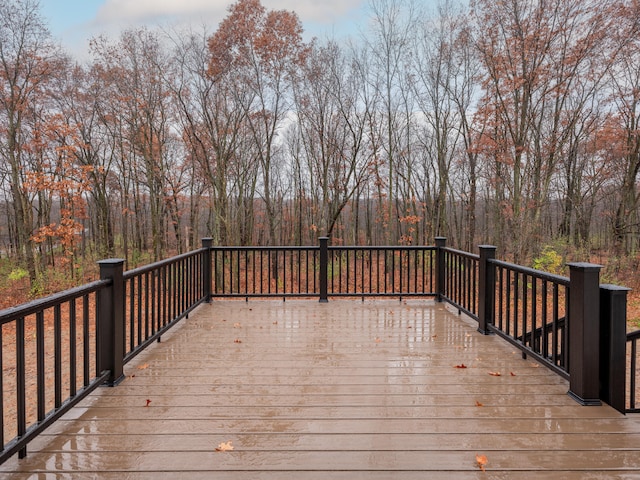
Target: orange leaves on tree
point(251, 33)
point(225, 447)
point(481, 461)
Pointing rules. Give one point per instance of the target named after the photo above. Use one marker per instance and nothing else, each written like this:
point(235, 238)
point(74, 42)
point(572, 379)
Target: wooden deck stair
point(342, 390)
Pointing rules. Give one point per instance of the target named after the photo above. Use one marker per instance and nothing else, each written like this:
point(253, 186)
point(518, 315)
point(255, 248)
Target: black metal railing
point(47, 362)
point(460, 286)
point(265, 271)
point(403, 271)
point(356, 271)
point(55, 351)
point(530, 312)
point(159, 295)
point(632, 371)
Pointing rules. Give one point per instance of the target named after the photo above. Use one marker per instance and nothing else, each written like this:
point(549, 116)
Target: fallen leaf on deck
point(377, 340)
point(482, 461)
point(224, 447)
point(462, 365)
point(143, 367)
point(478, 404)
point(512, 374)
point(237, 325)
point(148, 402)
point(495, 374)
point(409, 326)
point(275, 323)
point(434, 336)
point(237, 340)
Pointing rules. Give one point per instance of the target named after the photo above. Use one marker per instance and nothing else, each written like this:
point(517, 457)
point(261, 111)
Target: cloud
point(213, 11)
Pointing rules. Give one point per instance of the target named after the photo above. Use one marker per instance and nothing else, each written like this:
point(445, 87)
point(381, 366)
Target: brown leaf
point(495, 374)
point(237, 325)
point(482, 461)
point(377, 340)
point(148, 402)
point(478, 404)
point(512, 374)
point(143, 367)
point(462, 365)
point(225, 447)
point(237, 340)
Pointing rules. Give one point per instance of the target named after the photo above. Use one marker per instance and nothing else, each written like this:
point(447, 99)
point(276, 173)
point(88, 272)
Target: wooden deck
point(342, 390)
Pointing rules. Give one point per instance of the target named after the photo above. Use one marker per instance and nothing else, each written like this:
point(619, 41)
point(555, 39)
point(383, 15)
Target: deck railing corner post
point(207, 243)
point(584, 333)
point(486, 288)
point(441, 243)
point(110, 321)
point(613, 345)
point(324, 269)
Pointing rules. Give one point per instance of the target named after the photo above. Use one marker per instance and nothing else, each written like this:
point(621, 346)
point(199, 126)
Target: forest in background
point(511, 122)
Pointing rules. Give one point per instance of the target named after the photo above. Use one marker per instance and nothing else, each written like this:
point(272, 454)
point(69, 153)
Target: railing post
point(486, 288)
point(441, 243)
point(324, 267)
point(584, 333)
point(110, 322)
point(206, 268)
point(613, 345)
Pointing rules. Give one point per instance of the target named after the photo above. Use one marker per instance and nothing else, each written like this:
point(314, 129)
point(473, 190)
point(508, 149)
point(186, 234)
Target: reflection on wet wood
point(340, 390)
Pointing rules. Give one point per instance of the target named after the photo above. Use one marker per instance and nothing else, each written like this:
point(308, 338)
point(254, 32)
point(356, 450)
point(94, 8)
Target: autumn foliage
point(513, 123)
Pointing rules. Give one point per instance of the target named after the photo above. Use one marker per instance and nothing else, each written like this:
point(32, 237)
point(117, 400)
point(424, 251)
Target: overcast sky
point(74, 22)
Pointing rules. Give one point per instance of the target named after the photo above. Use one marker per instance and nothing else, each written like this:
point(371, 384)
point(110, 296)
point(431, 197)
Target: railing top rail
point(30, 308)
point(462, 253)
point(633, 335)
point(382, 247)
point(272, 248)
point(162, 263)
point(559, 279)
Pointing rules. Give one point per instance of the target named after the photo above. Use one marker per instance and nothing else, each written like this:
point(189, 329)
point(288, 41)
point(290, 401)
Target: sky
point(74, 22)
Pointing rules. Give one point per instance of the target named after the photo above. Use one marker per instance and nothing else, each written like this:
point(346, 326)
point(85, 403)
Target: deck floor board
point(342, 390)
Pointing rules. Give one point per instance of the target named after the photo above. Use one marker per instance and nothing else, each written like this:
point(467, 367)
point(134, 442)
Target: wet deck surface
point(343, 390)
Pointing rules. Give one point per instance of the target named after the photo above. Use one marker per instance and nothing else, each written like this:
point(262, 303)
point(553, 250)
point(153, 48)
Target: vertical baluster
point(86, 341)
point(72, 348)
point(632, 380)
point(555, 358)
point(57, 347)
point(501, 298)
point(154, 325)
point(40, 365)
point(21, 418)
point(507, 329)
